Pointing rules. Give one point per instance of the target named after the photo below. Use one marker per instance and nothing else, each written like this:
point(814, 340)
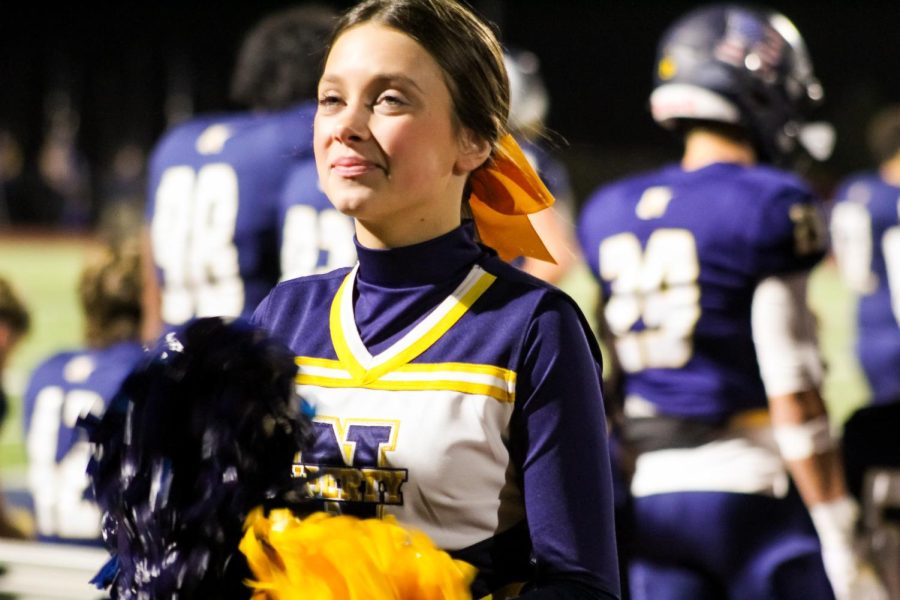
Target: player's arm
point(151, 299)
point(784, 333)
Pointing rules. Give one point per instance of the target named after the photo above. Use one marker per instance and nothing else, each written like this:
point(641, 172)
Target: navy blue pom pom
point(201, 432)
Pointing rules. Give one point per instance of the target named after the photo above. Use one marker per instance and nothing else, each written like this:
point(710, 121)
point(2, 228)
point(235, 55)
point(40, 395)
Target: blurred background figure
point(63, 192)
point(12, 166)
point(73, 383)
point(217, 209)
point(529, 106)
point(865, 231)
point(314, 237)
point(15, 322)
point(121, 191)
point(703, 267)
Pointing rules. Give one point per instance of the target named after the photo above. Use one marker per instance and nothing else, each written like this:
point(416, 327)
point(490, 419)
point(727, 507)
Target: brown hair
point(462, 44)
point(280, 58)
point(110, 294)
point(12, 310)
point(884, 134)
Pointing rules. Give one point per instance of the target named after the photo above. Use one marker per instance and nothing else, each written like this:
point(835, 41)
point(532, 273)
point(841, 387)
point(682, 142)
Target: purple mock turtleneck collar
point(429, 262)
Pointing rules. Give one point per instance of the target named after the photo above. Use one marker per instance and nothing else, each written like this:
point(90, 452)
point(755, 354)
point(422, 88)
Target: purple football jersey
point(215, 187)
point(63, 388)
point(314, 236)
point(678, 255)
point(865, 227)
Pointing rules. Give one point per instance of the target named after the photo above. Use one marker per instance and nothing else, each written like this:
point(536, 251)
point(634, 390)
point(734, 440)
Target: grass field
point(45, 270)
point(845, 387)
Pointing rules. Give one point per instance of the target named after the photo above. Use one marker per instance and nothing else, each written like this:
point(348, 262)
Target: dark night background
point(117, 68)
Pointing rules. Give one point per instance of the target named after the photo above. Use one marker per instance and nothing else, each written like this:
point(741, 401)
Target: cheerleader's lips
point(352, 167)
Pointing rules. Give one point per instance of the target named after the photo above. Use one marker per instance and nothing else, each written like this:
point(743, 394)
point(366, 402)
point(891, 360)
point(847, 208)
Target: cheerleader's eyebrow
point(385, 78)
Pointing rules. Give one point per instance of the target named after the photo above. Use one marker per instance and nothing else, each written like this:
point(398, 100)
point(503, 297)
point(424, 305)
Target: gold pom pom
point(327, 557)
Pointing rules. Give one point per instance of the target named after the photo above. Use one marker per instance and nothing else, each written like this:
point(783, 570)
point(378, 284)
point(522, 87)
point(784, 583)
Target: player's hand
point(851, 577)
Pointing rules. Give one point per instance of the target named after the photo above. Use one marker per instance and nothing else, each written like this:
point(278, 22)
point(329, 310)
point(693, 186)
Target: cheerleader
point(451, 390)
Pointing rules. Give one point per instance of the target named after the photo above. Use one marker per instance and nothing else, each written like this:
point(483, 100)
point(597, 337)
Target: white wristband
point(835, 520)
point(805, 439)
point(851, 577)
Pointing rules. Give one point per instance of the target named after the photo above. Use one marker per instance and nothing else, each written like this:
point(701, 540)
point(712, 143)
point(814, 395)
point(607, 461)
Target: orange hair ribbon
point(504, 192)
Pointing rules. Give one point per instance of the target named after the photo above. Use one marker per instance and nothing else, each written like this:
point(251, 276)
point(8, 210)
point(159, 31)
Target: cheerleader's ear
point(473, 152)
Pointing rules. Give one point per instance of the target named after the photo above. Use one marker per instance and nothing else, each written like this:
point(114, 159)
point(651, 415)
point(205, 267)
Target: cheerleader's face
point(388, 149)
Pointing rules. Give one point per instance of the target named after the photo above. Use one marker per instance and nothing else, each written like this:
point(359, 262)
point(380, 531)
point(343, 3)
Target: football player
point(703, 267)
point(865, 229)
point(216, 209)
point(74, 383)
point(314, 237)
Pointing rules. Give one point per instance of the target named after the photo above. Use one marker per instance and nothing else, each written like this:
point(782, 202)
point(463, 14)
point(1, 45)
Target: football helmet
point(744, 66)
point(528, 98)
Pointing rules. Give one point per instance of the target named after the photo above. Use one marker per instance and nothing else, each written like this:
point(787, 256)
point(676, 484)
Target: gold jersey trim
point(390, 369)
point(485, 380)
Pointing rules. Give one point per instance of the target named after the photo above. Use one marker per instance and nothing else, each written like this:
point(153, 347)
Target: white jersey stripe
point(497, 376)
point(473, 389)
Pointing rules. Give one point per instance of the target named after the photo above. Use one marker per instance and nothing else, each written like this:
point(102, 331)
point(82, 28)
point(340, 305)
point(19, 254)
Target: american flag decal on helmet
point(745, 37)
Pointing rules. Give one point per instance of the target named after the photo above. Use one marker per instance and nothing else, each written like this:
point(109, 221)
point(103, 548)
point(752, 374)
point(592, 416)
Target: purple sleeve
point(259, 315)
point(559, 441)
point(787, 233)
